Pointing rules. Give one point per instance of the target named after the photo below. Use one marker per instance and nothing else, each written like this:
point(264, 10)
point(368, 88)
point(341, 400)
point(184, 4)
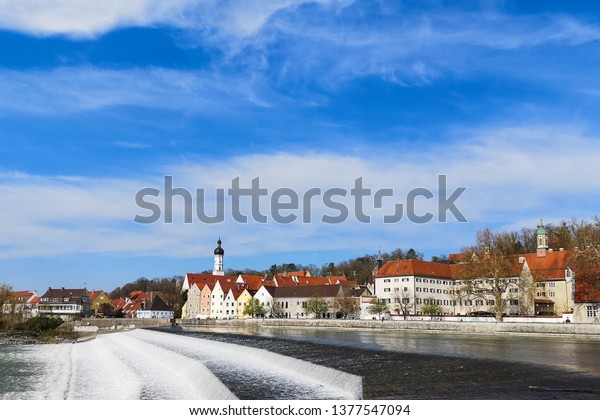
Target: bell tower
point(218, 265)
point(542, 240)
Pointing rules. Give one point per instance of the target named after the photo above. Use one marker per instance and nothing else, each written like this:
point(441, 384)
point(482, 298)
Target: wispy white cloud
point(87, 19)
point(511, 174)
point(74, 89)
point(131, 145)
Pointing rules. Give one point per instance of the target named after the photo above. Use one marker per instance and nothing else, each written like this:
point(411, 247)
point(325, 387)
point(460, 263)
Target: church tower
point(542, 240)
point(218, 265)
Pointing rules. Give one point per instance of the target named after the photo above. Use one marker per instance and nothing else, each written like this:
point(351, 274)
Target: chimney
point(550, 250)
point(561, 249)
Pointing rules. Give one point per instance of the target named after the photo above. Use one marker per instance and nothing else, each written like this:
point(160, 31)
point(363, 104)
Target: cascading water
point(143, 364)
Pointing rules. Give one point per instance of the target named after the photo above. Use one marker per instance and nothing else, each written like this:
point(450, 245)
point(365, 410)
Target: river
point(302, 363)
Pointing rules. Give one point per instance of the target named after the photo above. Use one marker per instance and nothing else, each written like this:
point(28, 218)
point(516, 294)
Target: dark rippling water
point(395, 366)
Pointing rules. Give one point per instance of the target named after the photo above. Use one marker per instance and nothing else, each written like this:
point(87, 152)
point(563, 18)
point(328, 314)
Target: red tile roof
point(202, 279)
point(415, 268)
point(550, 267)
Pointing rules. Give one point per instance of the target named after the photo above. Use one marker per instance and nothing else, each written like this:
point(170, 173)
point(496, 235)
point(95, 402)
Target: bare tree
point(586, 265)
point(346, 306)
point(276, 309)
point(402, 303)
point(489, 275)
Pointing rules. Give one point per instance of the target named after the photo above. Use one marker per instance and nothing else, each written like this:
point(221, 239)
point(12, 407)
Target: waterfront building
point(23, 303)
point(157, 308)
point(68, 304)
point(97, 299)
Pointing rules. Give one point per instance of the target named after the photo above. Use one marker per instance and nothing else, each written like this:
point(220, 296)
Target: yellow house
point(242, 301)
point(97, 299)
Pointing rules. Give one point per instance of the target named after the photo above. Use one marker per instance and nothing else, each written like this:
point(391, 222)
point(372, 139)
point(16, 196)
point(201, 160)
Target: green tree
point(317, 305)
point(254, 308)
point(379, 307)
point(431, 307)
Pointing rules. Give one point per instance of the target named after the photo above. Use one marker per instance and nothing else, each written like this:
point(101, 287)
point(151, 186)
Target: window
point(541, 294)
point(419, 300)
point(387, 289)
point(513, 290)
point(479, 303)
point(405, 300)
point(592, 311)
point(406, 289)
point(551, 284)
point(386, 280)
point(439, 290)
point(425, 281)
point(491, 302)
point(552, 294)
point(445, 302)
point(418, 289)
point(425, 289)
point(514, 302)
point(396, 280)
point(396, 289)
point(468, 303)
point(404, 278)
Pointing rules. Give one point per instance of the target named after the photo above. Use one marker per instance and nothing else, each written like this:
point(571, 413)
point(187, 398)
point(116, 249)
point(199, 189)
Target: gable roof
point(24, 295)
point(93, 294)
point(65, 295)
point(202, 279)
point(158, 304)
point(550, 267)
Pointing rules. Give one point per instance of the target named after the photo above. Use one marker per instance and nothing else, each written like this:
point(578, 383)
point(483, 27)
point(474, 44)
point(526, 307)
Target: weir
point(324, 382)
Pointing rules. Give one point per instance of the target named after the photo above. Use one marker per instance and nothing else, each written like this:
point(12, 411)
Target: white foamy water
point(300, 379)
point(144, 364)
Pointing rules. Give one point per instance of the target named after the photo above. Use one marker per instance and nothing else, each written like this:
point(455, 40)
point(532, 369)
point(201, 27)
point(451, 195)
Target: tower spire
point(218, 263)
point(542, 239)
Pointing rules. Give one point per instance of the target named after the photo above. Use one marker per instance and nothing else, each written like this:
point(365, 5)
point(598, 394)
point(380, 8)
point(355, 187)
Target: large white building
point(541, 283)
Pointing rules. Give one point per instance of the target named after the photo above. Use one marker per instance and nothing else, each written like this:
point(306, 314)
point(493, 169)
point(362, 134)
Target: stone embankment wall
point(96, 324)
point(426, 326)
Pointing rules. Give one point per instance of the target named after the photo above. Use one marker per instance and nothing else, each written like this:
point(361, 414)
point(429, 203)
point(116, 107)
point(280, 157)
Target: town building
point(98, 303)
point(157, 308)
point(68, 304)
point(22, 303)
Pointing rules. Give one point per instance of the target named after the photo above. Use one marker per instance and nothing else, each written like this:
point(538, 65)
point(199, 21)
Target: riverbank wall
point(107, 324)
point(424, 326)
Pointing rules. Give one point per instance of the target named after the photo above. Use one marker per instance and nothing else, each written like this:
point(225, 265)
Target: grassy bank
point(36, 330)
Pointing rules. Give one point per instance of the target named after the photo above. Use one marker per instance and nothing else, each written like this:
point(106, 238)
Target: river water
point(295, 363)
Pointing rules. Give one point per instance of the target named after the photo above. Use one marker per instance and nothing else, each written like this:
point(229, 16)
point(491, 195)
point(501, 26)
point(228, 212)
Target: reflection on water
point(576, 353)
point(409, 365)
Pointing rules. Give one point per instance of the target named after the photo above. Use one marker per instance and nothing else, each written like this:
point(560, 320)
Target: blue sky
point(100, 99)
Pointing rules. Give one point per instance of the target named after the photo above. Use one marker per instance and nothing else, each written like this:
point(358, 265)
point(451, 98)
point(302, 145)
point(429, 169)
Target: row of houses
point(285, 295)
point(70, 304)
point(535, 284)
